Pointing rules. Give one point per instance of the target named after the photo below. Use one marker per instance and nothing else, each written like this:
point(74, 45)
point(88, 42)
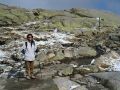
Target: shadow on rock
point(30, 85)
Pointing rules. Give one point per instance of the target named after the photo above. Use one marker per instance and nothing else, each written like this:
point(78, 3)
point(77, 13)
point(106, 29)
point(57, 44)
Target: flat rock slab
point(109, 79)
point(37, 84)
point(64, 83)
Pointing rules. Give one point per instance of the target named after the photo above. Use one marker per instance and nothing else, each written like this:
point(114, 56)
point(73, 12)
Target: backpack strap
point(26, 45)
point(32, 43)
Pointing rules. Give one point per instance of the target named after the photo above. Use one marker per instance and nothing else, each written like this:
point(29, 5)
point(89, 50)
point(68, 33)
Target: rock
point(67, 43)
point(58, 56)
point(14, 84)
point(64, 83)
point(66, 71)
point(50, 55)
point(114, 37)
point(16, 57)
point(42, 57)
point(36, 64)
point(87, 69)
point(69, 52)
point(84, 31)
point(4, 40)
point(2, 54)
point(86, 52)
point(107, 60)
point(78, 76)
point(106, 80)
point(1, 70)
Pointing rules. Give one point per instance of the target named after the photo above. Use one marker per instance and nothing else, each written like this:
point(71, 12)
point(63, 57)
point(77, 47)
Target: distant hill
point(62, 19)
point(13, 16)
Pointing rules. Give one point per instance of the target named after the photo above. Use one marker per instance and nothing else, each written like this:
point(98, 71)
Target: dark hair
point(32, 42)
point(29, 35)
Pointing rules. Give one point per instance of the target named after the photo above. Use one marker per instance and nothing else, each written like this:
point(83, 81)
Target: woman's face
point(30, 38)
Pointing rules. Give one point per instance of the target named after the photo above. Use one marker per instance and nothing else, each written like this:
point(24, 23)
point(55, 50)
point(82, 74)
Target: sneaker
point(33, 77)
point(27, 77)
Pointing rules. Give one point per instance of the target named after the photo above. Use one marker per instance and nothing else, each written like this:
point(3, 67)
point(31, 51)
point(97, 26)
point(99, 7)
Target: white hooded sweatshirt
point(29, 51)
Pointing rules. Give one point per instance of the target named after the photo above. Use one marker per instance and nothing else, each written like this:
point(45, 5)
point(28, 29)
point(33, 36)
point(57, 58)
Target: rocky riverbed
point(75, 54)
point(78, 60)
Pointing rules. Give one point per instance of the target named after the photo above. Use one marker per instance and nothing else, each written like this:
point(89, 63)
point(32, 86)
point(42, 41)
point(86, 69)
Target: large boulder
point(59, 55)
point(86, 52)
point(4, 40)
point(41, 57)
point(64, 83)
point(109, 79)
point(49, 56)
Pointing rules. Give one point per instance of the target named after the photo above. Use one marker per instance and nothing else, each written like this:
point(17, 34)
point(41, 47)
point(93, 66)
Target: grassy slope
point(13, 15)
point(80, 18)
point(64, 20)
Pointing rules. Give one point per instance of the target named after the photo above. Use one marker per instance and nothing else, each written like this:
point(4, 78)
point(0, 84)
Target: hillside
point(13, 15)
point(62, 19)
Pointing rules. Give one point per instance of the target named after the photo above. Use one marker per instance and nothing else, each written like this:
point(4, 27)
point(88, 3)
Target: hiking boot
point(28, 77)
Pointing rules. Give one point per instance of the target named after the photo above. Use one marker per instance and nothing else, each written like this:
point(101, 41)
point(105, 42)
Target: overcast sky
point(108, 5)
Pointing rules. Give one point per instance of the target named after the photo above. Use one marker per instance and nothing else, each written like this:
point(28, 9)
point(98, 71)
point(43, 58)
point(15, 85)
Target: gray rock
point(115, 37)
point(66, 71)
point(87, 52)
point(109, 79)
point(38, 84)
point(42, 57)
point(84, 31)
point(69, 52)
point(64, 83)
point(58, 56)
point(87, 69)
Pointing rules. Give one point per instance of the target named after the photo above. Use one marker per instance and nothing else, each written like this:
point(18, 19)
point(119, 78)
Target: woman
point(29, 50)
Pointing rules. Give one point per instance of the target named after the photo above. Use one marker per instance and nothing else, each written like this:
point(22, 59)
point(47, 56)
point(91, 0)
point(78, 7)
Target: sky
point(107, 5)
